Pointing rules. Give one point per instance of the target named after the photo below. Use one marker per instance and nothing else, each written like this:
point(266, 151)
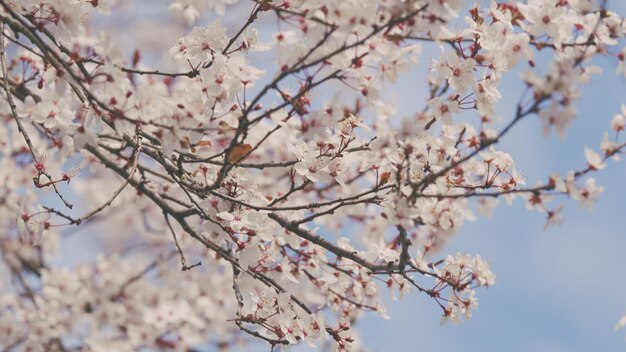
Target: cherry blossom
point(619, 120)
point(185, 10)
point(251, 179)
point(594, 159)
point(443, 110)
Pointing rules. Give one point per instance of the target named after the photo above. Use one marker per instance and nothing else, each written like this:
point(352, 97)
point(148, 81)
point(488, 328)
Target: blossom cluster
point(267, 162)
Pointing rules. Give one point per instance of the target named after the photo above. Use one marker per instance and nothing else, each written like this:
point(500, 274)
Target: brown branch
point(183, 260)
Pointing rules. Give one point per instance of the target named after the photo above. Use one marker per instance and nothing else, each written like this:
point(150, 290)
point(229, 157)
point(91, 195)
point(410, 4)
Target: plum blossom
point(457, 71)
point(547, 17)
point(621, 323)
point(311, 165)
point(517, 47)
point(621, 66)
point(185, 10)
point(557, 117)
point(618, 123)
point(610, 147)
point(30, 222)
point(588, 194)
point(220, 5)
point(448, 7)
point(487, 95)
point(202, 43)
point(594, 159)
point(443, 110)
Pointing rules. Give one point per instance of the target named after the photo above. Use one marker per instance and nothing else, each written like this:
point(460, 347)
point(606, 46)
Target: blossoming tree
point(254, 183)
